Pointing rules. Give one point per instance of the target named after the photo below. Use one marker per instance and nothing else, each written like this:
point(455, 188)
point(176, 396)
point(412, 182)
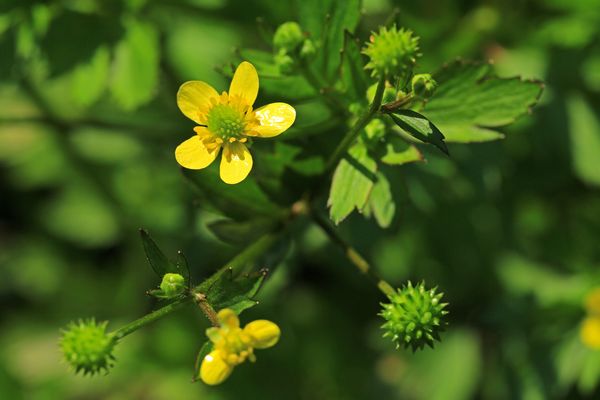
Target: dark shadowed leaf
point(418, 126)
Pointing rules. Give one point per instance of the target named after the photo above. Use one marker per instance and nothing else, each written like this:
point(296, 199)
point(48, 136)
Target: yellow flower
point(590, 332)
point(233, 345)
point(227, 121)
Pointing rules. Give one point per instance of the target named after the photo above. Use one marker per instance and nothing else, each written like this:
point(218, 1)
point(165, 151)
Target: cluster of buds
point(289, 43)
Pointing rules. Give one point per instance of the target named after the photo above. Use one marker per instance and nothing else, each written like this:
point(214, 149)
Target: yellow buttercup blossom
point(590, 332)
point(234, 345)
point(228, 121)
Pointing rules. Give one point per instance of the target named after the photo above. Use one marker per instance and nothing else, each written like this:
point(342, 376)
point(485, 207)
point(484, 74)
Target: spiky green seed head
point(392, 52)
point(414, 316)
point(423, 85)
point(172, 285)
point(288, 37)
point(87, 347)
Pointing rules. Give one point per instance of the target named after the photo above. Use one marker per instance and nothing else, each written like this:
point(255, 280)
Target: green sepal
point(419, 127)
point(206, 348)
point(159, 262)
point(236, 293)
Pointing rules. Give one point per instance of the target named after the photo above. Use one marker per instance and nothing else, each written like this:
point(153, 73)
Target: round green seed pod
point(172, 285)
point(414, 316)
point(87, 347)
point(392, 52)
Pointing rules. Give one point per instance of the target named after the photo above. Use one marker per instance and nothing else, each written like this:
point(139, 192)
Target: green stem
point(352, 254)
point(153, 316)
point(237, 265)
point(364, 119)
point(239, 262)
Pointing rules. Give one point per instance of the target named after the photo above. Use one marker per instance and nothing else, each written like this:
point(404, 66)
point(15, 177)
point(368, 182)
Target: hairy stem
point(351, 253)
point(237, 265)
point(153, 316)
point(364, 119)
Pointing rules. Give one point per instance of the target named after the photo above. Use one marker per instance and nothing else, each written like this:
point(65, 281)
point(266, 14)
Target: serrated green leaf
point(584, 129)
point(243, 232)
point(135, 70)
point(352, 183)
point(206, 348)
point(236, 293)
point(418, 126)
point(381, 202)
point(470, 101)
point(398, 152)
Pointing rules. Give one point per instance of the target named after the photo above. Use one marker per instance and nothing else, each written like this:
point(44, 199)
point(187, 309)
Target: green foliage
point(471, 102)
point(419, 127)
point(352, 183)
point(159, 262)
point(236, 293)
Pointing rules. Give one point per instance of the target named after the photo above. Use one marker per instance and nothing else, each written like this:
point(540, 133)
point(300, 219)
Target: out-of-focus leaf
point(79, 215)
point(352, 183)
point(243, 232)
point(381, 203)
point(74, 37)
point(454, 366)
point(470, 102)
point(7, 49)
point(420, 127)
point(135, 70)
point(312, 118)
point(90, 78)
point(159, 262)
point(525, 277)
point(584, 129)
point(236, 293)
point(354, 78)
point(106, 146)
point(244, 199)
point(309, 166)
point(398, 152)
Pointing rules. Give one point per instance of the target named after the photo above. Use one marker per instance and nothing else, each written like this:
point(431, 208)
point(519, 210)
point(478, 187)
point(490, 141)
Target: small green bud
point(423, 85)
point(172, 285)
point(414, 316)
point(288, 37)
point(392, 52)
point(284, 62)
point(87, 347)
point(308, 49)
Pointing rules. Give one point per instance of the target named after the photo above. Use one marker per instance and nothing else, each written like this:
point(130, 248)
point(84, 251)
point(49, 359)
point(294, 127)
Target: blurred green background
point(509, 230)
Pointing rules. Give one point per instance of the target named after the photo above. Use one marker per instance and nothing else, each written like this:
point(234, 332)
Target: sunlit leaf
point(381, 203)
point(352, 183)
point(584, 130)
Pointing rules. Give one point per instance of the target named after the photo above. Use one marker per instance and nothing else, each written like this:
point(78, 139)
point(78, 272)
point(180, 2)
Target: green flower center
point(225, 121)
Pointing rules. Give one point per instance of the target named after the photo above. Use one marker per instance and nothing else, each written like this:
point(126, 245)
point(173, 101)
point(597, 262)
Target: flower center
point(236, 346)
point(225, 121)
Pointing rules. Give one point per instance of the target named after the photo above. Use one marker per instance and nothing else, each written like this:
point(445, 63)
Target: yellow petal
point(245, 83)
point(236, 163)
point(274, 119)
point(194, 96)
point(228, 318)
point(214, 369)
point(193, 154)
point(263, 333)
point(590, 332)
